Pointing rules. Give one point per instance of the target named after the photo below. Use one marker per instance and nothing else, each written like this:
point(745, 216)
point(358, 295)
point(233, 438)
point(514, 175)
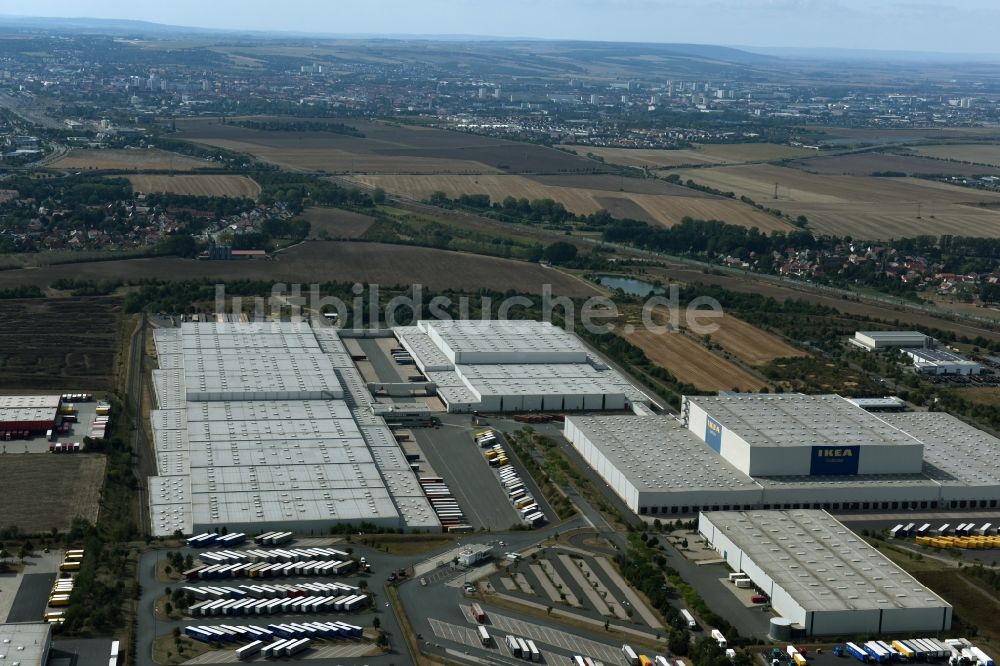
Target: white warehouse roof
point(504, 342)
point(656, 453)
point(808, 561)
point(504, 366)
point(792, 419)
point(266, 440)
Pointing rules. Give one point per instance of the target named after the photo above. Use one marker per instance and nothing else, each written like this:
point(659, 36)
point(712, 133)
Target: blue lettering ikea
point(835, 460)
point(713, 433)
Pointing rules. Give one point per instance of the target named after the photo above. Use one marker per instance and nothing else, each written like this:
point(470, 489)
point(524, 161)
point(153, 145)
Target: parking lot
point(582, 584)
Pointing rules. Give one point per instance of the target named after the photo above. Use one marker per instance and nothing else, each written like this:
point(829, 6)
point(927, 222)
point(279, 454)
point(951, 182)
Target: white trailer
point(249, 650)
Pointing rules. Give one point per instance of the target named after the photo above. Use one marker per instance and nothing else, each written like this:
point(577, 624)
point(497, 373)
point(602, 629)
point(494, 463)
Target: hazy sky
point(963, 26)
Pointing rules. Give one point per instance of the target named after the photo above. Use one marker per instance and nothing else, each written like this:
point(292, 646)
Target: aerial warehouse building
point(883, 340)
point(513, 366)
point(821, 576)
point(789, 452)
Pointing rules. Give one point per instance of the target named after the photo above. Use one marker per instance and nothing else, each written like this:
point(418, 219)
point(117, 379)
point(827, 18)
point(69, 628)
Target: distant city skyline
point(946, 26)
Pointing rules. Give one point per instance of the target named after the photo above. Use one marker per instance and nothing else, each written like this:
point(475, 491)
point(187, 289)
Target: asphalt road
point(32, 597)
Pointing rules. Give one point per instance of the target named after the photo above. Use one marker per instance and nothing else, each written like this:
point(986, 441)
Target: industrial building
point(942, 362)
point(800, 435)
point(514, 366)
point(821, 576)
point(789, 452)
point(25, 643)
point(882, 340)
point(28, 413)
point(267, 426)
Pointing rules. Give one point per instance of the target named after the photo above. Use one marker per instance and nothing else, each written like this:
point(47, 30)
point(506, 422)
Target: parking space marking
point(560, 639)
point(466, 636)
point(316, 651)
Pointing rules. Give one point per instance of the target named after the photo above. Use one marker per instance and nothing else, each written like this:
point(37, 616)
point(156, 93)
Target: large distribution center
point(789, 452)
point(820, 575)
point(512, 366)
point(267, 426)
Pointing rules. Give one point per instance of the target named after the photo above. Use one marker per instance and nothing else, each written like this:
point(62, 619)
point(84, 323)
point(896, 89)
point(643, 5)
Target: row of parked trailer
point(401, 356)
point(207, 539)
point(524, 649)
point(444, 504)
point(518, 495)
point(267, 591)
point(250, 606)
point(238, 634)
point(961, 529)
point(274, 555)
point(958, 651)
point(271, 570)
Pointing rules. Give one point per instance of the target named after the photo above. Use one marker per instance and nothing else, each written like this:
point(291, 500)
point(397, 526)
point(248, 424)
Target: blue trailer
point(856, 651)
point(199, 634)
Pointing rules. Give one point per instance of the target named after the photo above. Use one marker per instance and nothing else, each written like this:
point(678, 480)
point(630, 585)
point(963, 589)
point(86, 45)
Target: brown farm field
point(200, 185)
point(864, 207)
point(336, 222)
point(865, 164)
point(83, 158)
point(385, 148)
point(321, 261)
point(715, 153)
point(895, 315)
point(980, 153)
point(43, 491)
point(58, 344)
point(749, 343)
point(649, 200)
point(692, 363)
point(980, 395)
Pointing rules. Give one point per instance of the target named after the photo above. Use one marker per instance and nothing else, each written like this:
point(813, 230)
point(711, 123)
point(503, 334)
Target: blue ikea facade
point(713, 434)
point(834, 460)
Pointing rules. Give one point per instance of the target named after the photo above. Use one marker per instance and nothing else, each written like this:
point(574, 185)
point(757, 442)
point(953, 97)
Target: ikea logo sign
point(834, 460)
point(835, 453)
point(713, 434)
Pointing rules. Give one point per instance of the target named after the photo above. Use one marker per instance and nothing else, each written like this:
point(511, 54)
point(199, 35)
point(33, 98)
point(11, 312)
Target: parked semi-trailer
point(686, 614)
point(719, 638)
point(856, 651)
point(630, 655)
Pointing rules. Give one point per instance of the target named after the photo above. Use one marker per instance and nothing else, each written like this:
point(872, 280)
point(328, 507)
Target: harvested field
point(981, 395)
point(318, 261)
point(337, 223)
point(715, 153)
point(751, 152)
point(385, 148)
point(750, 344)
point(647, 158)
point(981, 153)
point(43, 491)
point(58, 344)
point(655, 201)
point(897, 316)
point(204, 186)
point(870, 208)
point(85, 158)
point(865, 164)
point(692, 363)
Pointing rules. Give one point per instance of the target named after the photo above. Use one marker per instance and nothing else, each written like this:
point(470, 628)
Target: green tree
point(559, 253)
